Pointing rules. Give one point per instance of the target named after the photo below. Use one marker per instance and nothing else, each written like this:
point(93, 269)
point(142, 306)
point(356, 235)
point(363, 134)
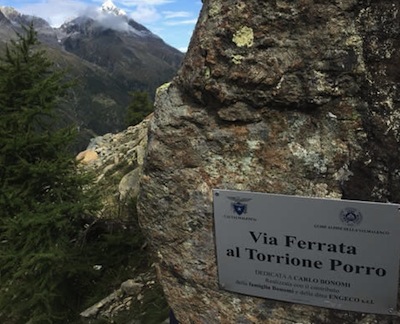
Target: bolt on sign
point(330, 253)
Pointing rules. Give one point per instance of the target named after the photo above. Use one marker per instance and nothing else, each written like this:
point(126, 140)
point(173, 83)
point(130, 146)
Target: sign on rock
point(338, 254)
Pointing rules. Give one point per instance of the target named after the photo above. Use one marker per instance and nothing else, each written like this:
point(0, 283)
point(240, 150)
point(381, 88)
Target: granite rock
point(290, 97)
point(87, 156)
point(117, 160)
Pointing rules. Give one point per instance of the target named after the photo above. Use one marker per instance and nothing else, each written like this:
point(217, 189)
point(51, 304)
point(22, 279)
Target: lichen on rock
point(244, 37)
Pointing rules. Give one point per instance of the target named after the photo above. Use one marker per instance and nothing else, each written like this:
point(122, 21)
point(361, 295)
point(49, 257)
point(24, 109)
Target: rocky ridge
point(117, 161)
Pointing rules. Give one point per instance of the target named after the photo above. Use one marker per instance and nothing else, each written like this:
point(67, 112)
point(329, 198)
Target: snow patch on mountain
point(109, 7)
point(112, 17)
point(12, 15)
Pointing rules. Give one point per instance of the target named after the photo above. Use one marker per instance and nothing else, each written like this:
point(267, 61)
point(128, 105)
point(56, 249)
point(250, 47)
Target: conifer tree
point(139, 108)
point(43, 198)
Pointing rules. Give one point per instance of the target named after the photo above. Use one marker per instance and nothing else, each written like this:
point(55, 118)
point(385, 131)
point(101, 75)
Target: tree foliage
point(140, 107)
point(44, 204)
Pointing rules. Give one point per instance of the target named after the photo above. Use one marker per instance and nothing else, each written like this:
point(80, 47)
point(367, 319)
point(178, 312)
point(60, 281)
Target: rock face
point(117, 161)
point(290, 97)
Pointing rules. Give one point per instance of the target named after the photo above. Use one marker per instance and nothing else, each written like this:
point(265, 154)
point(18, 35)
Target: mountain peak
point(9, 11)
point(18, 19)
point(109, 7)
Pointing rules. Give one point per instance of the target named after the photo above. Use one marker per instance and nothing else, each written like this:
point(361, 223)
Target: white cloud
point(113, 22)
point(181, 22)
point(145, 14)
point(144, 11)
point(54, 11)
point(176, 14)
point(144, 2)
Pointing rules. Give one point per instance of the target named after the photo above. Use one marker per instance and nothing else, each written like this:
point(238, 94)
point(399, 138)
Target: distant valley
point(108, 54)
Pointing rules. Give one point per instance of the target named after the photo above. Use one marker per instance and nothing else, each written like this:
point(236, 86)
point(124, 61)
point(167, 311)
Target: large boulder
point(290, 97)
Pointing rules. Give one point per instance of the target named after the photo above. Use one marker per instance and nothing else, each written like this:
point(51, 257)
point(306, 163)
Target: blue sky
point(172, 20)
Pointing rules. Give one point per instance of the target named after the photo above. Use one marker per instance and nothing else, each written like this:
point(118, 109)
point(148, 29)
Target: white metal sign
point(330, 253)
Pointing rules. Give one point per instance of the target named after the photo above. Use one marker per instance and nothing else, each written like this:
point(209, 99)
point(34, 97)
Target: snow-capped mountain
point(18, 19)
point(109, 53)
point(109, 7)
point(15, 19)
point(107, 16)
point(3, 19)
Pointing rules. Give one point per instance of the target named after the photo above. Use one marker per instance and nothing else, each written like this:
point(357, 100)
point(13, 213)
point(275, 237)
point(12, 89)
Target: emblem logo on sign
point(350, 216)
point(239, 207)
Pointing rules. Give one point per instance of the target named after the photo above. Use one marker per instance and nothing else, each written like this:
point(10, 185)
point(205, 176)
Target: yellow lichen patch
point(244, 37)
point(215, 9)
point(162, 88)
point(207, 72)
point(241, 6)
point(354, 40)
point(237, 59)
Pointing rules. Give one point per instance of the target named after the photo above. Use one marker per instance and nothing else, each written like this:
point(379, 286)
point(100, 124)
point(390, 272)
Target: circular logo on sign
point(351, 216)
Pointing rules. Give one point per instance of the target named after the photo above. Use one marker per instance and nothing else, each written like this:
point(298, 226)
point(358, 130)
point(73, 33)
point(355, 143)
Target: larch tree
point(44, 200)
